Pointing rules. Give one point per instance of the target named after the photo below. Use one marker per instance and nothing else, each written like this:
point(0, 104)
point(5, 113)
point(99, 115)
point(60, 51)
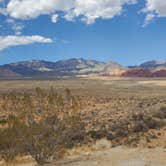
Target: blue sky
point(133, 34)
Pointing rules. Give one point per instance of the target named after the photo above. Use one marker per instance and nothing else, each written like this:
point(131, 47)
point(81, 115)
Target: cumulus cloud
point(87, 10)
point(9, 41)
point(54, 18)
point(90, 10)
point(27, 9)
point(155, 8)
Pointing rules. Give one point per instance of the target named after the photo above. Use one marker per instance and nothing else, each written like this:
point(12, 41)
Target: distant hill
point(70, 67)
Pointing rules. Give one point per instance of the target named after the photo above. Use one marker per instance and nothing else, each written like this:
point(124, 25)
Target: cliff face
point(144, 73)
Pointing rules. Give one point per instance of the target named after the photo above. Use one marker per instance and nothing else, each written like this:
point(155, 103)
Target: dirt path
point(118, 157)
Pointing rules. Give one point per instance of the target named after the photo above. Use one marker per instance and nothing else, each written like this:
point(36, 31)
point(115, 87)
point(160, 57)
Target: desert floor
point(119, 156)
point(106, 96)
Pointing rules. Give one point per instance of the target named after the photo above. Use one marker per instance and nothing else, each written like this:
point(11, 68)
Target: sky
point(126, 31)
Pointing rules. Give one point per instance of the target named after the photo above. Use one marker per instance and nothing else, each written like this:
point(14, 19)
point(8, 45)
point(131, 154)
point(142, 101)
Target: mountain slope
point(140, 72)
point(154, 65)
point(75, 66)
point(147, 69)
point(80, 66)
point(5, 73)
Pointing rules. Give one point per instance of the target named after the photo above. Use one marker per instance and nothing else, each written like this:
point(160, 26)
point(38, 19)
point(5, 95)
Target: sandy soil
point(153, 82)
point(119, 156)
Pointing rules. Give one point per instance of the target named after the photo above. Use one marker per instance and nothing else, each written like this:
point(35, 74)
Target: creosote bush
point(12, 139)
point(45, 124)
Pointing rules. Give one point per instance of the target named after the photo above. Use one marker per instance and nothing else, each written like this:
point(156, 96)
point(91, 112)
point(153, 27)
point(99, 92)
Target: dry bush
point(46, 127)
point(74, 130)
point(130, 129)
point(12, 139)
point(161, 113)
point(42, 143)
point(99, 134)
point(48, 139)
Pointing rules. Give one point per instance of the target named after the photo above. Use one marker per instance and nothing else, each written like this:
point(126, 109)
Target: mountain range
point(80, 66)
point(147, 69)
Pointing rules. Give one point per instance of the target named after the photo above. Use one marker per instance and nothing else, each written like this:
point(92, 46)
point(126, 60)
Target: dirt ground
point(119, 156)
point(109, 99)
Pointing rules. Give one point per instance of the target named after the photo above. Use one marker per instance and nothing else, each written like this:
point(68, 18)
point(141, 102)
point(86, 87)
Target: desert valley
point(82, 119)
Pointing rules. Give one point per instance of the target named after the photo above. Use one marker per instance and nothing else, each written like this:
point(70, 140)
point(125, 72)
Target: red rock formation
point(144, 73)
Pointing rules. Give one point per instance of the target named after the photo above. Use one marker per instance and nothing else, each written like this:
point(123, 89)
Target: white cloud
point(27, 9)
point(15, 26)
point(54, 18)
point(9, 41)
point(155, 8)
point(3, 11)
point(148, 19)
point(90, 10)
point(87, 10)
point(10, 21)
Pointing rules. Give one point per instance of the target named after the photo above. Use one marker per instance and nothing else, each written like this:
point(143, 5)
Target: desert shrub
point(41, 125)
point(74, 130)
point(161, 113)
point(136, 123)
point(8, 149)
point(68, 95)
point(3, 121)
point(139, 126)
point(142, 122)
point(48, 139)
point(120, 128)
point(27, 109)
point(11, 102)
point(12, 139)
point(60, 103)
point(52, 99)
point(150, 122)
point(99, 134)
point(42, 143)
